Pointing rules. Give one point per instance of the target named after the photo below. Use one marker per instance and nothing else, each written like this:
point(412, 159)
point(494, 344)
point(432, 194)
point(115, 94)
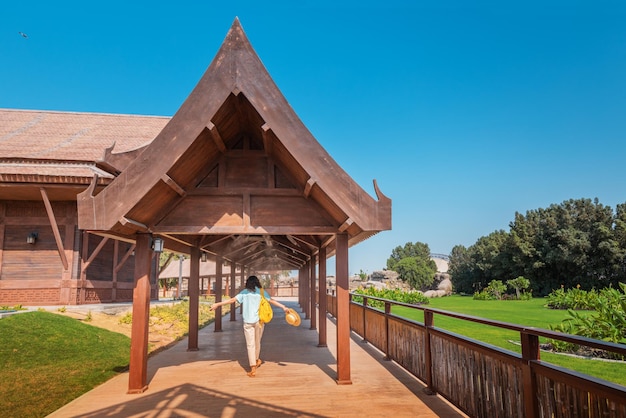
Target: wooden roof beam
point(345, 225)
point(173, 185)
point(138, 226)
point(267, 139)
point(309, 186)
point(217, 138)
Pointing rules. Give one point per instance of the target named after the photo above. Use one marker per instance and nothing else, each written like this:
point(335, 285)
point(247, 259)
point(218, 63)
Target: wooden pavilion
point(236, 174)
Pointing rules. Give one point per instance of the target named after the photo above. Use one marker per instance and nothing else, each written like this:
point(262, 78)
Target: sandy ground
point(110, 319)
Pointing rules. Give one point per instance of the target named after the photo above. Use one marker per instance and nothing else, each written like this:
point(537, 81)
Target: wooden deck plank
point(297, 379)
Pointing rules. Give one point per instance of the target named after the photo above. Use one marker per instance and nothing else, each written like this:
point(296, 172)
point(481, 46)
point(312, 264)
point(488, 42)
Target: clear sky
point(463, 111)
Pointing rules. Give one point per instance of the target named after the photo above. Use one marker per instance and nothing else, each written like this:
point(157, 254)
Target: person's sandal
point(259, 362)
point(252, 372)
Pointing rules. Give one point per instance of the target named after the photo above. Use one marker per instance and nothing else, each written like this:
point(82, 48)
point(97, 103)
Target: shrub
point(414, 298)
point(607, 322)
point(494, 291)
point(572, 299)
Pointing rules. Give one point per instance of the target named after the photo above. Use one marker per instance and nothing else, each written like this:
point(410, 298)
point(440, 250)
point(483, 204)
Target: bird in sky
point(23, 35)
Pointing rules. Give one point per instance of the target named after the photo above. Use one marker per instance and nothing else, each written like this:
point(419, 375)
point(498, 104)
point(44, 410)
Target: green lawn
point(47, 360)
point(526, 313)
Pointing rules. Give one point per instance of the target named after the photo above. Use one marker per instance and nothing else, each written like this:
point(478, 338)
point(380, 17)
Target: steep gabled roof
point(235, 160)
point(65, 148)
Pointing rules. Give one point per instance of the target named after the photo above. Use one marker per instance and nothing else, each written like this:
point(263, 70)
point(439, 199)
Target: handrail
point(479, 378)
point(541, 332)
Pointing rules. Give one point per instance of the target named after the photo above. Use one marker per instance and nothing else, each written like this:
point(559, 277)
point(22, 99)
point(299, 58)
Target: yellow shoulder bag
point(265, 309)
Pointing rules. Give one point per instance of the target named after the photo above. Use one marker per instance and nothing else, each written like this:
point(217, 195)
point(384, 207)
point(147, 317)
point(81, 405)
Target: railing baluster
point(387, 340)
point(364, 327)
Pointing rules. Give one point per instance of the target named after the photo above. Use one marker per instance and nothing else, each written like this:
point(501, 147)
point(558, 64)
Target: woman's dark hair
point(252, 283)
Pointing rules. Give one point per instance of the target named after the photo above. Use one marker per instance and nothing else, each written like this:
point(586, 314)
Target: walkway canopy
point(235, 174)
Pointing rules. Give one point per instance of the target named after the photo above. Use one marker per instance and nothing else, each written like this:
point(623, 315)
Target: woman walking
point(250, 298)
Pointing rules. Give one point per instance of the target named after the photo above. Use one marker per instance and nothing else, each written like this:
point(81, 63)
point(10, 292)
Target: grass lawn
point(526, 313)
point(47, 360)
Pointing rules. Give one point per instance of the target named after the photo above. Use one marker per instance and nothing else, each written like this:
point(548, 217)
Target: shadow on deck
point(297, 379)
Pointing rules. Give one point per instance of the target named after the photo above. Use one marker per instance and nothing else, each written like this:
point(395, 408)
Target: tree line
point(579, 242)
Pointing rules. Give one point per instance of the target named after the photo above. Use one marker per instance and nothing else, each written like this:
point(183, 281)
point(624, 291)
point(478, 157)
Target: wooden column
point(233, 290)
point(116, 257)
point(306, 294)
point(194, 298)
point(218, 292)
point(72, 252)
point(322, 298)
point(343, 311)
point(301, 287)
point(312, 294)
point(138, 373)
point(243, 283)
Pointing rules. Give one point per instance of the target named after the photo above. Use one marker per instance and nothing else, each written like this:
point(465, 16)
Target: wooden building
point(233, 174)
point(46, 159)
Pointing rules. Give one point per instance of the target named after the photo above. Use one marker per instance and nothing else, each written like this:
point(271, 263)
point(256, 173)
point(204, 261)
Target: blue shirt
point(251, 301)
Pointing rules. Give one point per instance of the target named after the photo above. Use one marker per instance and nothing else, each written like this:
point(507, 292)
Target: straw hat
point(293, 318)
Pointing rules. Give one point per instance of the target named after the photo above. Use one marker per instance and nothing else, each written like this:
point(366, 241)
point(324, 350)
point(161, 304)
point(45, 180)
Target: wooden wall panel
point(246, 172)
point(198, 210)
point(285, 211)
point(126, 273)
point(101, 268)
point(30, 261)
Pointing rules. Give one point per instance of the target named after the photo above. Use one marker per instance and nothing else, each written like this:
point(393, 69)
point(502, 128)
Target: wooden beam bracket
point(55, 228)
point(217, 138)
point(309, 186)
point(138, 225)
point(173, 185)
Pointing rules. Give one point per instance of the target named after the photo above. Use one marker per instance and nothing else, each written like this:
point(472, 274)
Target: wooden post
point(364, 323)
point(429, 322)
point(306, 304)
point(323, 300)
point(116, 257)
point(233, 290)
point(138, 370)
point(194, 298)
point(218, 292)
point(300, 289)
point(313, 294)
point(243, 283)
point(530, 353)
point(387, 340)
point(343, 310)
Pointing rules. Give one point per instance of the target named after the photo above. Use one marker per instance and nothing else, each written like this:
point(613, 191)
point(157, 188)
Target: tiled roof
point(72, 136)
point(61, 147)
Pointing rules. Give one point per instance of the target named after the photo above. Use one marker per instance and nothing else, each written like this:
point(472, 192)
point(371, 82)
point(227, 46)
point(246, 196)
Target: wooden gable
point(235, 160)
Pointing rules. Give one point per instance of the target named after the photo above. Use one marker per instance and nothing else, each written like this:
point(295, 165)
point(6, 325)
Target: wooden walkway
point(297, 379)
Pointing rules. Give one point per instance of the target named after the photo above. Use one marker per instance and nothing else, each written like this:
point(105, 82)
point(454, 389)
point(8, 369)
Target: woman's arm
point(280, 305)
point(224, 302)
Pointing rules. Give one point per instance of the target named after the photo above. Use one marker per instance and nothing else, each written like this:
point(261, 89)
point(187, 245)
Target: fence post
point(364, 324)
point(530, 353)
point(387, 312)
point(429, 322)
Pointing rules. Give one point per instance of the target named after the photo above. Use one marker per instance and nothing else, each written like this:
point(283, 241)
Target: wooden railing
point(483, 380)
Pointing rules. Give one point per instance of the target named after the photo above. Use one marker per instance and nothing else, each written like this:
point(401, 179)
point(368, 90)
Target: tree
point(460, 268)
point(496, 288)
point(579, 241)
point(519, 283)
point(418, 250)
point(419, 273)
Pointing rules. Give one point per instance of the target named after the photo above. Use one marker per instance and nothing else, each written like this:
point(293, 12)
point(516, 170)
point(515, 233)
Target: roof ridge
point(66, 112)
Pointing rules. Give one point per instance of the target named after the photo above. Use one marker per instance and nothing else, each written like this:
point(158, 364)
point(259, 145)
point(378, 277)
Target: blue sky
point(465, 112)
